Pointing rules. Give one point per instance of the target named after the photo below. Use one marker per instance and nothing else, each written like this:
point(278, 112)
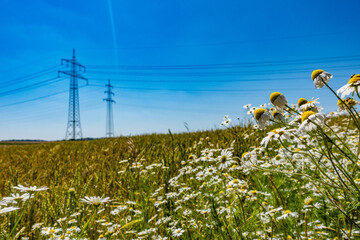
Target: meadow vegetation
point(292, 175)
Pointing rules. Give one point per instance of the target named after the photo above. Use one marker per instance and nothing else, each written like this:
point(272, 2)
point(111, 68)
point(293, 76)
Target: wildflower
point(278, 116)
point(36, 226)
point(262, 116)
point(75, 214)
point(279, 133)
point(96, 201)
point(159, 238)
point(301, 102)
point(309, 105)
point(278, 100)
point(72, 221)
point(17, 197)
point(8, 209)
point(225, 159)
point(288, 213)
point(106, 224)
point(50, 230)
point(350, 87)
point(309, 121)
point(61, 219)
point(320, 77)
point(122, 207)
point(73, 229)
point(247, 106)
point(350, 102)
point(308, 200)
point(226, 122)
point(178, 232)
point(30, 189)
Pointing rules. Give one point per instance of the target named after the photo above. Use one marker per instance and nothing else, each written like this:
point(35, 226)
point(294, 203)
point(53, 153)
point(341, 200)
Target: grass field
point(293, 175)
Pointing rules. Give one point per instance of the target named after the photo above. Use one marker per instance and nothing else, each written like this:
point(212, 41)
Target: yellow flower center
point(235, 181)
point(287, 212)
point(275, 113)
point(305, 115)
point(258, 113)
point(301, 101)
point(355, 78)
point(316, 73)
point(274, 96)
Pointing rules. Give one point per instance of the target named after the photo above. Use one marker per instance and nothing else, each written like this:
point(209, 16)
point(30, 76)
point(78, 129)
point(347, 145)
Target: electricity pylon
point(73, 129)
point(109, 131)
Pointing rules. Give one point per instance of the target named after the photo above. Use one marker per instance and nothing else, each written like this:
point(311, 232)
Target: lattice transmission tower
point(73, 129)
point(109, 131)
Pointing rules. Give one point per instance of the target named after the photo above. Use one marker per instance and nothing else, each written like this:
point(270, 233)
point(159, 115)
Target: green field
point(293, 175)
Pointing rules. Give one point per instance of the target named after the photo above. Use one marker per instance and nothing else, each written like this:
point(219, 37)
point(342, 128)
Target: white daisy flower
point(226, 122)
point(278, 100)
point(262, 116)
point(178, 232)
point(278, 116)
point(96, 201)
point(350, 102)
point(247, 106)
point(8, 209)
point(225, 159)
point(319, 77)
point(350, 87)
point(17, 197)
point(288, 213)
point(309, 120)
point(309, 105)
point(30, 189)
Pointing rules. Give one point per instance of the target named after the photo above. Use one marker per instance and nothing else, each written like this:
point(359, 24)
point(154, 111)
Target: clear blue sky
point(264, 39)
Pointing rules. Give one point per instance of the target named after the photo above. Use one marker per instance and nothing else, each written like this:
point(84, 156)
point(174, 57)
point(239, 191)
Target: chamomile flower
point(301, 102)
point(17, 197)
point(8, 209)
point(30, 189)
point(279, 133)
point(247, 106)
point(320, 77)
point(278, 100)
point(262, 116)
point(309, 105)
point(309, 121)
point(178, 232)
point(226, 122)
point(278, 116)
point(287, 214)
point(350, 87)
point(225, 159)
point(350, 102)
point(96, 201)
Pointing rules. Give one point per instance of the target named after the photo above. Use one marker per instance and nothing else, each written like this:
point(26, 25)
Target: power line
point(198, 74)
point(29, 77)
point(204, 90)
point(207, 80)
point(232, 65)
point(32, 99)
point(39, 84)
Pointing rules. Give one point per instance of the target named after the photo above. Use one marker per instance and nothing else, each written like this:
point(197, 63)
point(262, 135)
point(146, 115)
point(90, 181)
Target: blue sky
point(274, 45)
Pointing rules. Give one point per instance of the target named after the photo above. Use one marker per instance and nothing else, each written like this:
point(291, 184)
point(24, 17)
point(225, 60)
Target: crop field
point(292, 175)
